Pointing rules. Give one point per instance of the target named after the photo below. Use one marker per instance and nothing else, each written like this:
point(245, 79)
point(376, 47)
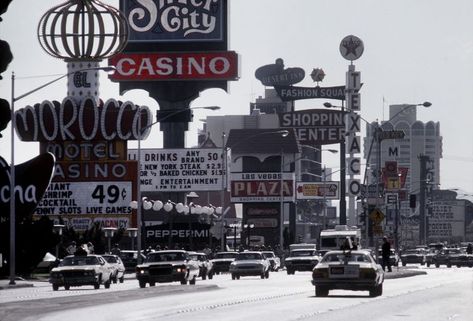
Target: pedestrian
point(115, 249)
point(469, 249)
point(81, 251)
point(71, 249)
point(346, 245)
point(385, 254)
point(90, 247)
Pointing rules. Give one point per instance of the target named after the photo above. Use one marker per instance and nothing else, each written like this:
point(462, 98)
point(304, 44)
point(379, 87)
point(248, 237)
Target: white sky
point(415, 50)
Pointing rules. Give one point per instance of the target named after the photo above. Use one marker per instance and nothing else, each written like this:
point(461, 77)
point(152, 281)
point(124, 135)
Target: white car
point(249, 263)
point(301, 260)
point(116, 266)
point(274, 261)
point(78, 270)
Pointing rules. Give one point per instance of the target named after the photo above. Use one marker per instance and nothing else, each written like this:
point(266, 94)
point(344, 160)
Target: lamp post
point(109, 233)
point(138, 168)
point(343, 201)
point(248, 227)
point(191, 196)
point(12, 164)
point(58, 230)
point(132, 233)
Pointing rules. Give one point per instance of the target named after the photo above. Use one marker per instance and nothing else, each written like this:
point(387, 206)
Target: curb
point(402, 274)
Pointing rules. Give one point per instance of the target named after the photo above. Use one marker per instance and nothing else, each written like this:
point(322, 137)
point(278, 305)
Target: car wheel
point(376, 291)
point(233, 276)
point(192, 282)
point(122, 279)
point(428, 264)
point(404, 263)
point(152, 283)
point(449, 265)
point(107, 283)
point(289, 271)
point(262, 275)
point(115, 278)
point(183, 282)
point(321, 291)
point(437, 265)
point(204, 275)
point(266, 274)
point(67, 287)
point(142, 284)
point(211, 275)
point(55, 287)
point(237, 277)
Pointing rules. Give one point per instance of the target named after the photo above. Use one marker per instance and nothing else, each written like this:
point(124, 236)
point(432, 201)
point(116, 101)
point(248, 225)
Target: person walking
point(385, 253)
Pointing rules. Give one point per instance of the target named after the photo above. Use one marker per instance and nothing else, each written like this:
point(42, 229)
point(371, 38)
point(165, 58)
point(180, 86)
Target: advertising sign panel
point(175, 21)
point(261, 187)
point(447, 220)
point(102, 197)
point(317, 190)
point(166, 66)
point(315, 126)
point(177, 170)
point(288, 93)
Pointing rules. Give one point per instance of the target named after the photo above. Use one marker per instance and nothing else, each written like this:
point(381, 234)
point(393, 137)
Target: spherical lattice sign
point(83, 30)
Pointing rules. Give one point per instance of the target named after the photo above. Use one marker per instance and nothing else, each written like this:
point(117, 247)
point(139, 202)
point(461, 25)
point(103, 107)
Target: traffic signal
point(412, 201)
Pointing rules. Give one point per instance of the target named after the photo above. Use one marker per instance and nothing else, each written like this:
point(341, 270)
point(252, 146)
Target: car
point(461, 258)
point(429, 256)
point(393, 257)
point(117, 267)
point(222, 260)
point(355, 270)
point(167, 266)
point(250, 263)
point(78, 270)
point(205, 265)
point(413, 256)
point(445, 256)
point(274, 261)
point(301, 260)
point(130, 259)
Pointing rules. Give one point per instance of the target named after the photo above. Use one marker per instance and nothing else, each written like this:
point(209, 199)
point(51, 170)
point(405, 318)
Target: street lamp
point(12, 164)
point(132, 233)
point(109, 233)
point(58, 230)
point(343, 201)
point(248, 227)
point(138, 167)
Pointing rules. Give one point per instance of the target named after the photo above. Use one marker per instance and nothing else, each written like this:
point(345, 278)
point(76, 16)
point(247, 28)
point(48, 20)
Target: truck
point(332, 239)
point(302, 257)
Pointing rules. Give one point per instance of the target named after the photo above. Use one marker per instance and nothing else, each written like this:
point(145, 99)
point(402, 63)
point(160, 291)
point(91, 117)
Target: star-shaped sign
point(351, 48)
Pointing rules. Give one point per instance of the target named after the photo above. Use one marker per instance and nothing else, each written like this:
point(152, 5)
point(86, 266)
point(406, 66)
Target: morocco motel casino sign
point(93, 180)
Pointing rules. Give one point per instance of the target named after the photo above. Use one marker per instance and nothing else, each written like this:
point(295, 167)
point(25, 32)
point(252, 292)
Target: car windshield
point(166, 257)
point(79, 260)
point(413, 252)
point(452, 251)
point(248, 256)
point(269, 254)
point(225, 255)
point(301, 253)
point(110, 259)
point(340, 258)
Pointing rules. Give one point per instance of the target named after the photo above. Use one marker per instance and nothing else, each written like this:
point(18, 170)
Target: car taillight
point(367, 273)
point(319, 273)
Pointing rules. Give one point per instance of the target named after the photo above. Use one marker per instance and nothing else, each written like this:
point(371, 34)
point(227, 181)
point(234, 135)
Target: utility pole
point(423, 224)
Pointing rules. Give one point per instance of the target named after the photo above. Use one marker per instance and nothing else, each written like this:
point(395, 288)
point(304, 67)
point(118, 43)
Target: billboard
point(159, 21)
point(317, 190)
point(261, 187)
point(166, 66)
point(315, 126)
point(101, 197)
point(178, 170)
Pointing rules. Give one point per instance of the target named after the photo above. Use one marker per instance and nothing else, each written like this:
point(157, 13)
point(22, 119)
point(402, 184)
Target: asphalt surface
point(397, 272)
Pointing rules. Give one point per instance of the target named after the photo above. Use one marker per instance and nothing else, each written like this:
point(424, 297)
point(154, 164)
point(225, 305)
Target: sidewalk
point(19, 283)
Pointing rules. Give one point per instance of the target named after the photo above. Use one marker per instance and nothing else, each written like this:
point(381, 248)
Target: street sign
point(377, 216)
point(391, 198)
point(390, 134)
